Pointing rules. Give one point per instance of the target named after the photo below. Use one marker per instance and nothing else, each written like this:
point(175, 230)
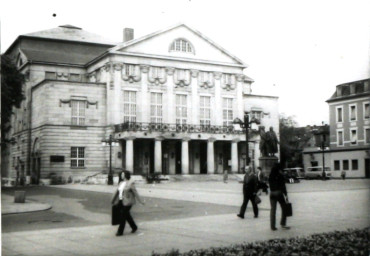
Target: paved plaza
point(319, 206)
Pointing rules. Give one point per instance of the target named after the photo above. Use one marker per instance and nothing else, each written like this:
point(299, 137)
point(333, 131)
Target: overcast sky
point(297, 50)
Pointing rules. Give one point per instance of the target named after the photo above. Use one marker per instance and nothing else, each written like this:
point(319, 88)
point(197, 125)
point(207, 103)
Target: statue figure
point(263, 141)
point(272, 145)
point(268, 142)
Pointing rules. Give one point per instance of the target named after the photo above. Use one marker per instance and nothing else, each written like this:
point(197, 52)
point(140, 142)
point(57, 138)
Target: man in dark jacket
point(250, 186)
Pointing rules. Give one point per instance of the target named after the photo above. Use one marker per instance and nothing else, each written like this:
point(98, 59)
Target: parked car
point(316, 172)
point(292, 175)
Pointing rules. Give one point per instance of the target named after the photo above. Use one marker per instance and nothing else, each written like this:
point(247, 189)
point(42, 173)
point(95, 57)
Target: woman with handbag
point(126, 194)
point(278, 193)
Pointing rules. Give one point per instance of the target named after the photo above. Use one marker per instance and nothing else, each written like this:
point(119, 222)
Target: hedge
point(351, 242)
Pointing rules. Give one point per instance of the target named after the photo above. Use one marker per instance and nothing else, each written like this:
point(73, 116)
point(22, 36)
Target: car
point(292, 175)
point(315, 172)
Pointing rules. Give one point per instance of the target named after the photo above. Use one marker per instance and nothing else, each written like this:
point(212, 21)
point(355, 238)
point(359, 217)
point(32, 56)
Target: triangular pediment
point(162, 43)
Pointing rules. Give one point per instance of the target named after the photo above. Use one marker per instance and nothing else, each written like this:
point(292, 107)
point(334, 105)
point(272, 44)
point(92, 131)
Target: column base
point(266, 163)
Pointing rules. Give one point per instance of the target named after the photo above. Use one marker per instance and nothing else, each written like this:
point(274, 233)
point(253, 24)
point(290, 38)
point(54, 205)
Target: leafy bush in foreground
point(351, 242)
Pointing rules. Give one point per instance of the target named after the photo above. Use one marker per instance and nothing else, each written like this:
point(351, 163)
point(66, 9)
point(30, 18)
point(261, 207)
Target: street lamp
point(110, 142)
point(247, 125)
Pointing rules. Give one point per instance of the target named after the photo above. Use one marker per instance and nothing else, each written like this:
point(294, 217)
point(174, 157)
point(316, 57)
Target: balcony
point(176, 128)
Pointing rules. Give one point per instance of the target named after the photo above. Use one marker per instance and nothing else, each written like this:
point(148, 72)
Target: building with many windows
point(168, 99)
point(349, 140)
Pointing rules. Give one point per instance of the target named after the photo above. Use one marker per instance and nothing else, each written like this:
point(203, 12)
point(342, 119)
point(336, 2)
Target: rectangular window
point(340, 138)
point(50, 75)
point(345, 165)
point(354, 165)
point(352, 113)
point(336, 165)
point(129, 106)
point(156, 113)
point(366, 111)
point(77, 157)
point(339, 115)
point(367, 135)
point(205, 110)
point(227, 111)
point(78, 112)
point(74, 77)
point(353, 136)
point(181, 109)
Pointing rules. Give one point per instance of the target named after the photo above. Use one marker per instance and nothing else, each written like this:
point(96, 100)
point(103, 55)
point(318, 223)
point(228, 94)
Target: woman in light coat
point(126, 194)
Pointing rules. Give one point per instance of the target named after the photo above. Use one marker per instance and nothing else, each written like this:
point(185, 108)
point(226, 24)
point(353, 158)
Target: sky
point(298, 50)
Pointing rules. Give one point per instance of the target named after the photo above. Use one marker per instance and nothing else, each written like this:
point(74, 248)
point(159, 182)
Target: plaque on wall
point(57, 159)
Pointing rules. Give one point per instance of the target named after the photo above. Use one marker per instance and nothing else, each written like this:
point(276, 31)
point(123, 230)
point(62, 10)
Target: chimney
point(128, 34)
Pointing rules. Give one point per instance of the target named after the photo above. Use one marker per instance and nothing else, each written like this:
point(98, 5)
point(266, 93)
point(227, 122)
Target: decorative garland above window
point(228, 82)
point(182, 77)
point(157, 75)
point(131, 73)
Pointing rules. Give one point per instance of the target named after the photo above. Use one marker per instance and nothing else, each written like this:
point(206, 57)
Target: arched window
point(181, 45)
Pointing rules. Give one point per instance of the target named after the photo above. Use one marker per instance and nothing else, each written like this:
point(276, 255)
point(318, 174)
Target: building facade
point(168, 99)
point(349, 131)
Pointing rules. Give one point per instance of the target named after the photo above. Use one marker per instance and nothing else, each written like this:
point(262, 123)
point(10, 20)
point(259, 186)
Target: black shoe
point(240, 216)
point(119, 234)
point(273, 229)
point(285, 227)
point(256, 217)
point(134, 230)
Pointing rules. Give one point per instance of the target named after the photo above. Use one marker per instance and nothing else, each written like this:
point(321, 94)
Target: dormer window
point(181, 45)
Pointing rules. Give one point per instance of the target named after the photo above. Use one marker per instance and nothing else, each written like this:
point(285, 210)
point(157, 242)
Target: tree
point(12, 81)
point(292, 141)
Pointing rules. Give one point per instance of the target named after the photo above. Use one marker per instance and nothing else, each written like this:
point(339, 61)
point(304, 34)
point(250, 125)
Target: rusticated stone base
point(266, 163)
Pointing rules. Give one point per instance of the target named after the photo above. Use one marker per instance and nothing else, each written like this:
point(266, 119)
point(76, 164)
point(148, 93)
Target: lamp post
point(110, 142)
point(322, 147)
point(247, 125)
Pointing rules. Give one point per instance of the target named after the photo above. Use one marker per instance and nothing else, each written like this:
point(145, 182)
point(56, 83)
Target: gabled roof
point(70, 33)
point(138, 40)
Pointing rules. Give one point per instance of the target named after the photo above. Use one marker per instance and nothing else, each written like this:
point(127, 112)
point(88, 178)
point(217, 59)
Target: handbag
point(116, 214)
point(257, 199)
point(288, 208)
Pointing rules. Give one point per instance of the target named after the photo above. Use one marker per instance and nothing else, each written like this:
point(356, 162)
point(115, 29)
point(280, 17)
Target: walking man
point(249, 192)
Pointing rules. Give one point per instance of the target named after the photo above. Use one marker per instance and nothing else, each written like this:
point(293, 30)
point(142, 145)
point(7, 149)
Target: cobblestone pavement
point(319, 206)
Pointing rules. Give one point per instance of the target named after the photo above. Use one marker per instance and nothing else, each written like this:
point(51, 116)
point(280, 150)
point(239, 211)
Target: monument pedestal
point(266, 163)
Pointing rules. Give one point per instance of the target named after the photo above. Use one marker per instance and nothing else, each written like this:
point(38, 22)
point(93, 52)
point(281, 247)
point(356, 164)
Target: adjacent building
point(167, 99)
point(349, 115)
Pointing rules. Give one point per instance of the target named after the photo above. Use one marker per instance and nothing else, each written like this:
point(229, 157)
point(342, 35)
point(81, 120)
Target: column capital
point(217, 75)
point(159, 138)
point(194, 73)
point(240, 78)
point(186, 139)
point(235, 140)
point(212, 139)
point(144, 68)
point(170, 70)
point(130, 138)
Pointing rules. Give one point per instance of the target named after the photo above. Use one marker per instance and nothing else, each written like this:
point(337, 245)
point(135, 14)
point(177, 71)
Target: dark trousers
point(126, 216)
point(277, 196)
point(247, 197)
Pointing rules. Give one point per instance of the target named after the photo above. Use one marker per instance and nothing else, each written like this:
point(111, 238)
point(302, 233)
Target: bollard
point(19, 196)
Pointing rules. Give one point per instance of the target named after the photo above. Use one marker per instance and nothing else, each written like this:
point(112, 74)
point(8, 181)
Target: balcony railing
point(178, 128)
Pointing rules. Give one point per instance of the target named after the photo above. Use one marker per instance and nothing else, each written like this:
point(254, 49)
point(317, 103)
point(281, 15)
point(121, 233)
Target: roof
point(70, 33)
point(65, 44)
point(360, 90)
point(138, 40)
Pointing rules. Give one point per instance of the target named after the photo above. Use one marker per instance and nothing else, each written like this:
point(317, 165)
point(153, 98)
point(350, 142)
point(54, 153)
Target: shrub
point(350, 242)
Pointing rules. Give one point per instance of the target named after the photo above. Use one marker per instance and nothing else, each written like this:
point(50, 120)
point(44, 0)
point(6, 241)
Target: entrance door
point(367, 168)
point(203, 157)
point(178, 157)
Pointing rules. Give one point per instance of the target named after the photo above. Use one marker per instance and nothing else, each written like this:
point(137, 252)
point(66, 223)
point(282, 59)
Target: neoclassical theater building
point(167, 99)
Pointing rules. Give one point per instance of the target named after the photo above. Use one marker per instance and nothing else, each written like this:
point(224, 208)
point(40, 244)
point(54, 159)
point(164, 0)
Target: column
point(130, 154)
point(211, 156)
point(217, 100)
point(194, 105)
point(158, 155)
point(234, 156)
point(185, 156)
point(144, 99)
